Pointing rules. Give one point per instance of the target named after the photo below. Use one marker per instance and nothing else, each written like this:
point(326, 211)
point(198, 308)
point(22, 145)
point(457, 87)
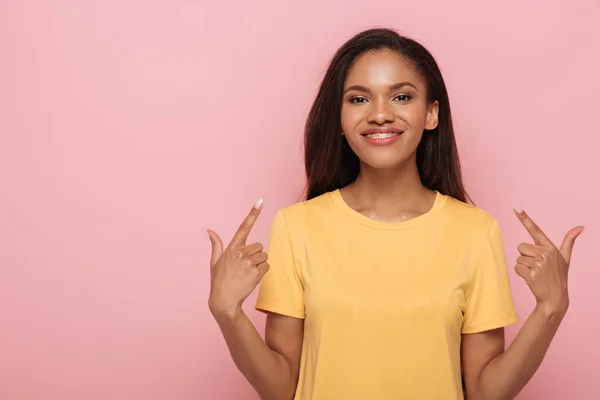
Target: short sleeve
point(489, 303)
point(281, 290)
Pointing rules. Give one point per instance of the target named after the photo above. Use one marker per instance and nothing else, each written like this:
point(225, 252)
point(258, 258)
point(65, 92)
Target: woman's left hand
point(544, 267)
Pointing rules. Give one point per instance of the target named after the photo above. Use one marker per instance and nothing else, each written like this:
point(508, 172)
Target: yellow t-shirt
point(385, 304)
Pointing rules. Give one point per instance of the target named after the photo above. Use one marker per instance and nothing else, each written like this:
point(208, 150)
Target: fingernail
point(519, 211)
point(208, 234)
point(258, 203)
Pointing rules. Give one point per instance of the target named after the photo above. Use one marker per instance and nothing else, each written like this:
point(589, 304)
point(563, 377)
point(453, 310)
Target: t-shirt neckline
point(336, 197)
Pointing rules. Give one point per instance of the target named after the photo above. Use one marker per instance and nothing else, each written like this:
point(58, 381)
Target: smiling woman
point(385, 283)
point(381, 105)
point(378, 80)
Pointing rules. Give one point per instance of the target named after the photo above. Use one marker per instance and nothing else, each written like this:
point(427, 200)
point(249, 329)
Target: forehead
point(382, 67)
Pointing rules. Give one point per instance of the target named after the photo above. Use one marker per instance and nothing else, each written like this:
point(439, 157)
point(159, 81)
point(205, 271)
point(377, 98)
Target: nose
point(380, 112)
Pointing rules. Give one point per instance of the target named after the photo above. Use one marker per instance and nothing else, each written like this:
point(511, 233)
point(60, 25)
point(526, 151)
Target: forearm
point(506, 374)
point(268, 371)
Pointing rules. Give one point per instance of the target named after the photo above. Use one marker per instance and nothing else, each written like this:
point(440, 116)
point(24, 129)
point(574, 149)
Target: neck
point(389, 194)
point(398, 184)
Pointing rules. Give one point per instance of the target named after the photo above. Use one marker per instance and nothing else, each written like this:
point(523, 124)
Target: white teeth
point(381, 135)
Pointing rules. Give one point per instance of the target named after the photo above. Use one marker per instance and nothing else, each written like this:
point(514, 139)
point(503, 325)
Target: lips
point(381, 133)
point(381, 136)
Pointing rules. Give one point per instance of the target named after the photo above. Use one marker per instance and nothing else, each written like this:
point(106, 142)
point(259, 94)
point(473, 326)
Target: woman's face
point(385, 109)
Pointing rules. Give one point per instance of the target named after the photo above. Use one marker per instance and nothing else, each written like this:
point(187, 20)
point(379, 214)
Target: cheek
point(415, 115)
point(350, 116)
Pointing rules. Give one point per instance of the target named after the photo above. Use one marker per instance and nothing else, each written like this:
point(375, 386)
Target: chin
point(391, 161)
point(394, 156)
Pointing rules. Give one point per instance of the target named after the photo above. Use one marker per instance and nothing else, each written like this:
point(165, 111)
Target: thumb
point(566, 248)
point(217, 247)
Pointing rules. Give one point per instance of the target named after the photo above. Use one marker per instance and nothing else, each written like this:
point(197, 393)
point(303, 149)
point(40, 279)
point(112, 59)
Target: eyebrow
point(393, 87)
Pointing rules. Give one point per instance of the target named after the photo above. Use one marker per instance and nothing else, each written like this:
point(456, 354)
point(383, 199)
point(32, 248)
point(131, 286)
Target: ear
point(431, 119)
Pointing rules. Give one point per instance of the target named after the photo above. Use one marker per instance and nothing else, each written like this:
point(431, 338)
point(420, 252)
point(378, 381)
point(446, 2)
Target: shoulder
point(307, 209)
point(475, 226)
point(468, 216)
point(304, 216)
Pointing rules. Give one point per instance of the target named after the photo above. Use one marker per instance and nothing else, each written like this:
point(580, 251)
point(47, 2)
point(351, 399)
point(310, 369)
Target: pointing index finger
point(539, 237)
point(240, 237)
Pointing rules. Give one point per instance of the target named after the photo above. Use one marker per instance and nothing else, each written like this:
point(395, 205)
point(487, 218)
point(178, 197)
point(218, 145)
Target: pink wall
point(128, 127)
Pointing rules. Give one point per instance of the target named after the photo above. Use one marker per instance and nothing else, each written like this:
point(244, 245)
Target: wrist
point(553, 311)
point(223, 312)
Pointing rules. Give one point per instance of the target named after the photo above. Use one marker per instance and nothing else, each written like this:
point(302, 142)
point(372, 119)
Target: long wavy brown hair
point(329, 161)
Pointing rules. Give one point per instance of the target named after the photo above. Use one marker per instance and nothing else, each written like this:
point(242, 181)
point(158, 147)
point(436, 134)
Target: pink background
point(128, 127)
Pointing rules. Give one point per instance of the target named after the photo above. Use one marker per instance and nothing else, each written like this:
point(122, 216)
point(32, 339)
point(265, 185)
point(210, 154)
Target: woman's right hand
point(236, 271)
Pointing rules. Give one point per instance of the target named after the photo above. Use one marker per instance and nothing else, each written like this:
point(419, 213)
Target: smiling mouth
point(382, 135)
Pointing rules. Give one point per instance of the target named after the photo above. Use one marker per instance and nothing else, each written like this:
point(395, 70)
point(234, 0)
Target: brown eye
point(358, 100)
point(404, 97)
